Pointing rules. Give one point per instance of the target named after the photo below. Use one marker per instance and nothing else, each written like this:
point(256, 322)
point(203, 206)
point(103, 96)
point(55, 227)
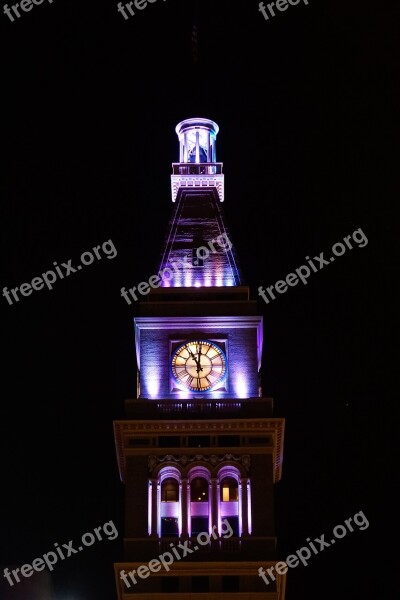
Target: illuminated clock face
point(199, 365)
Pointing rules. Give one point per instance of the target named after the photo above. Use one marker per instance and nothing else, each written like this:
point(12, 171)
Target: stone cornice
point(124, 430)
point(213, 459)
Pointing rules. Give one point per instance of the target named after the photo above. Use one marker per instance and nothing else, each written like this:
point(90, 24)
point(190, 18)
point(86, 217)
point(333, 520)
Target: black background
point(305, 103)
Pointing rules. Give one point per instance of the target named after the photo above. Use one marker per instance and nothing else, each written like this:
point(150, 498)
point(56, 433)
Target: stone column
point(214, 503)
point(244, 505)
point(154, 506)
point(185, 496)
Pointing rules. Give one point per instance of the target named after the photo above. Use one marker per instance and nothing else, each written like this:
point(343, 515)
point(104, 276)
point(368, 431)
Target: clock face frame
point(199, 366)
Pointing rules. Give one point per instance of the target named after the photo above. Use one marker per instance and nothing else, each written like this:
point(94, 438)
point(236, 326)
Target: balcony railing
point(183, 409)
point(221, 544)
point(264, 595)
point(197, 168)
point(233, 548)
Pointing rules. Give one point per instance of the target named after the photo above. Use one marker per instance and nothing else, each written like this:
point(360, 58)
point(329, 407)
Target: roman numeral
point(203, 384)
point(214, 349)
point(213, 378)
point(214, 374)
point(182, 374)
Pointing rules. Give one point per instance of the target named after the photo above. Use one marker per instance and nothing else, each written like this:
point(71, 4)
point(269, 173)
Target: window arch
point(169, 513)
point(170, 490)
point(199, 490)
point(229, 489)
point(230, 498)
point(199, 501)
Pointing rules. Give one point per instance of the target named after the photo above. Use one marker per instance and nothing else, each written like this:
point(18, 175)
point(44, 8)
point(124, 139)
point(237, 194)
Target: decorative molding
point(196, 182)
point(244, 425)
point(184, 323)
point(184, 460)
point(207, 568)
point(123, 430)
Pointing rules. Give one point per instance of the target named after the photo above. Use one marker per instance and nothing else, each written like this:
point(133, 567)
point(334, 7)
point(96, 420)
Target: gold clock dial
point(199, 365)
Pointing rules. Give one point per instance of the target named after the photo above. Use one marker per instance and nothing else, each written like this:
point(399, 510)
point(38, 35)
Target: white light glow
point(177, 279)
point(149, 507)
point(241, 386)
point(240, 509)
point(180, 510)
point(158, 509)
point(250, 526)
point(188, 279)
point(153, 382)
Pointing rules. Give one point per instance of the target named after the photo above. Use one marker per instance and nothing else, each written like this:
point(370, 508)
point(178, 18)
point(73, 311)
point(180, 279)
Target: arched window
point(169, 503)
point(199, 490)
point(229, 490)
point(170, 490)
point(230, 505)
point(200, 513)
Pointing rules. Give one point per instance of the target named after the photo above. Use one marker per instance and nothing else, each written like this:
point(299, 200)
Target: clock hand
point(197, 361)
point(199, 367)
point(193, 356)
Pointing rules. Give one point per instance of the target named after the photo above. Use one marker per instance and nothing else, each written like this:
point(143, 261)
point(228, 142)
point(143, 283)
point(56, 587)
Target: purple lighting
point(197, 185)
point(156, 380)
point(149, 506)
point(197, 141)
point(217, 274)
point(250, 525)
point(169, 508)
point(197, 166)
point(228, 507)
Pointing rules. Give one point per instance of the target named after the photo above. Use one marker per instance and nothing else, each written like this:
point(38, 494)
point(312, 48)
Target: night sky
point(305, 103)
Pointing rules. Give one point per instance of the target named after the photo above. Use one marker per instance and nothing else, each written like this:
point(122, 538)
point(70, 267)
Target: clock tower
point(200, 451)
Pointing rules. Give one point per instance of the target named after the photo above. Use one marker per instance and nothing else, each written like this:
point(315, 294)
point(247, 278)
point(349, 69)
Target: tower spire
point(198, 248)
point(195, 35)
